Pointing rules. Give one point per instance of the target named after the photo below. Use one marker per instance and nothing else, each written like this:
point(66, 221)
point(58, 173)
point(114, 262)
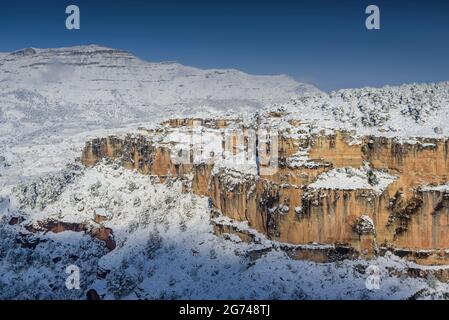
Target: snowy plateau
point(164, 246)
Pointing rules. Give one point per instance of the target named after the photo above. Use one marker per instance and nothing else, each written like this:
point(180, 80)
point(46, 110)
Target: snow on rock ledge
point(353, 179)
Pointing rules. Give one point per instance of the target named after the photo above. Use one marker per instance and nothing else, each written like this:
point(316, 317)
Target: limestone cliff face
point(139, 153)
point(96, 149)
point(284, 204)
point(420, 163)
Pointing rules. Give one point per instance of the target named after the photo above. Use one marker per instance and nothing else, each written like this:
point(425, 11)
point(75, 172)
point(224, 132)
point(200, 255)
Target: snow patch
point(353, 179)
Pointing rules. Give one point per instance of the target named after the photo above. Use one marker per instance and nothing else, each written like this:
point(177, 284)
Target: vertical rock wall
point(283, 207)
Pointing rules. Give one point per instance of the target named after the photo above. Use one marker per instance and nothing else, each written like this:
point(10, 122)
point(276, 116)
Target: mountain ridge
point(97, 78)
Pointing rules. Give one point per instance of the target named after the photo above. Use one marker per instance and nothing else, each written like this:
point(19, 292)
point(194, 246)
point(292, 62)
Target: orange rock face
point(100, 233)
point(404, 216)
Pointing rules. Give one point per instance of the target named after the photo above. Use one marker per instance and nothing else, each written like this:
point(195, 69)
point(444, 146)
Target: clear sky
point(322, 42)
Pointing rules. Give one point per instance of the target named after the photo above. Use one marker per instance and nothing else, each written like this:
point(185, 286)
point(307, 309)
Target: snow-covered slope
point(97, 84)
point(166, 249)
point(406, 111)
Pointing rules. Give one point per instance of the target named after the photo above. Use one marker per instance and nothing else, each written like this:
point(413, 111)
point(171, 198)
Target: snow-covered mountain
point(98, 84)
point(51, 99)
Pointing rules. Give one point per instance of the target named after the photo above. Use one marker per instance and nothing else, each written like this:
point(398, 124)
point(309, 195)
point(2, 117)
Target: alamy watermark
point(237, 148)
point(73, 21)
point(372, 22)
point(72, 282)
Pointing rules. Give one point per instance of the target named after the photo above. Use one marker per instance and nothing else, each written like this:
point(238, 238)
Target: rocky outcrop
point(289, 206)
point(98, 232)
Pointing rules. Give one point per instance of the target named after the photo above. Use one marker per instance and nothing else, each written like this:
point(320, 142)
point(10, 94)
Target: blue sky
point(317, 41)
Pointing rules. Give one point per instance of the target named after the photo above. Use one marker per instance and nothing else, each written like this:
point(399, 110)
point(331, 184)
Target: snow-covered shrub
point(154, 243)
point(364, 225)
point(41, 191)
point(120, 283)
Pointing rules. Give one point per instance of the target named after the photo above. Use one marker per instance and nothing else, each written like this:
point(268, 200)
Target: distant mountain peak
point(25, 52)
point(94, 82)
